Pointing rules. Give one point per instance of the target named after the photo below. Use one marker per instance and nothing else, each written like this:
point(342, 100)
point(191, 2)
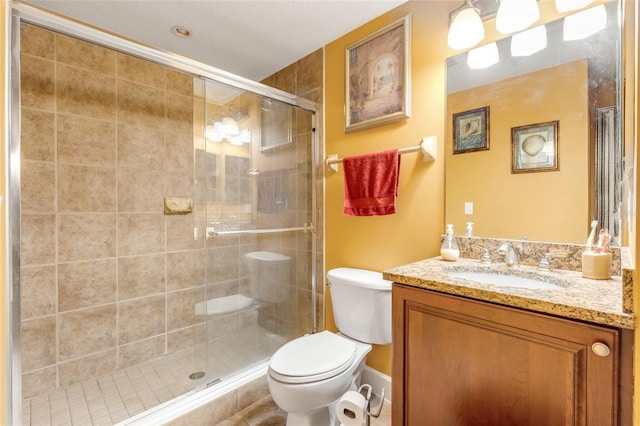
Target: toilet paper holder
point(371, 413)
point(353, 408)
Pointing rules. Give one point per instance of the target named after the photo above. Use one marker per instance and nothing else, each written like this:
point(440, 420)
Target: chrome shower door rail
point(310, 228)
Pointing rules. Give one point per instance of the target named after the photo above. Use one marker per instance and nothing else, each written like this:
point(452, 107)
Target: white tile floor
point(113, 398)
point(125, 393)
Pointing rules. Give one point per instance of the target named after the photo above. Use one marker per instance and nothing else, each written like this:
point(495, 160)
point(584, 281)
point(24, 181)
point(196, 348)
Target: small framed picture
point(471, 130)
point(534, 148)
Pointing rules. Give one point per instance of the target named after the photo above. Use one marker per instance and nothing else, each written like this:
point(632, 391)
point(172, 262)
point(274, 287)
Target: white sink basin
point(503, 280)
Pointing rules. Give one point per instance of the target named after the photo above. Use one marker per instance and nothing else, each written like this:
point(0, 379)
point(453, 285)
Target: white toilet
point(308, 375)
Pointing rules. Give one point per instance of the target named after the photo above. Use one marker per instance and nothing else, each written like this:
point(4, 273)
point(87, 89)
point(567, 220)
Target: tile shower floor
point(125, 393)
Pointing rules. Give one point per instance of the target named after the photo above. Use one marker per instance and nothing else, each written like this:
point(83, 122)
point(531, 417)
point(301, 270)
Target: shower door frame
point(29, 14)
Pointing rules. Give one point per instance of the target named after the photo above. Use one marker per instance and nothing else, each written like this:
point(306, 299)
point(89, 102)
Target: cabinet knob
point(600, 349)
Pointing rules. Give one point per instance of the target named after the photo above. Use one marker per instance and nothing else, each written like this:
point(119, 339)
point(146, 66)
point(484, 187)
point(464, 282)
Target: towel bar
point(427, 147)
point(310, 228)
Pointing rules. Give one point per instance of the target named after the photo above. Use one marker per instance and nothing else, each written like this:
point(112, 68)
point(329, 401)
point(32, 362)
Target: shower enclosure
point(254, 206)
point(163, 224)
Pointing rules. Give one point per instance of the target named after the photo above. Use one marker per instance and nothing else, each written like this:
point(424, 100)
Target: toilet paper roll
point(350, 409)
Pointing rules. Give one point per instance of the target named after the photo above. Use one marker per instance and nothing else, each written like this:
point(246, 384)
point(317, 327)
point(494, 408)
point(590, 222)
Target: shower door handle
point(310, 228)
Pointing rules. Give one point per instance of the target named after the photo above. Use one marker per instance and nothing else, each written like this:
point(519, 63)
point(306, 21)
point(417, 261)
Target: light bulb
point(230, 126)
point(529, 42)
point(569, 5)
point(483, 56)
point(516, 15)
point(212, 133)
point(583, 24)
point(466, 29)
point(241, 138)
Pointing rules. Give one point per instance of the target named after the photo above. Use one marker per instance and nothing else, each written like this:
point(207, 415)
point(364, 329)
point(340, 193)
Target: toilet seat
point(312, 358)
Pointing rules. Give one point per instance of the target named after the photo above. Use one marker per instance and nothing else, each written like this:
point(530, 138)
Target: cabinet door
point(466, 362)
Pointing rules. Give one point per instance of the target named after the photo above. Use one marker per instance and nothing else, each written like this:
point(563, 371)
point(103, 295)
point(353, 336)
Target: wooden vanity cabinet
point(458, 361)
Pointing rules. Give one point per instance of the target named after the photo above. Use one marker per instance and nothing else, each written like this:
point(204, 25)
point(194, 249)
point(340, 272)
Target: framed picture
point(471, 130)
point(534, 148)
point(377, 78)
point(276, 119)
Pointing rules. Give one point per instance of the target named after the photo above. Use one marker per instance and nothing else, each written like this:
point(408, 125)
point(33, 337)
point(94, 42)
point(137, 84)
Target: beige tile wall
point(107, 278)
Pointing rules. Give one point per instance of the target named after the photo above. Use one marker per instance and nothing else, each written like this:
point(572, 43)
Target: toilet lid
point(312, 358)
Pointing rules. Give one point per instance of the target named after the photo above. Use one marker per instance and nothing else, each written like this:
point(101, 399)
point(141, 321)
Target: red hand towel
point(371, 183)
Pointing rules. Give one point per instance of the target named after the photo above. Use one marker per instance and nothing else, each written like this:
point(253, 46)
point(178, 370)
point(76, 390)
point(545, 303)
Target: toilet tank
point(361, 302)
point(269, 275)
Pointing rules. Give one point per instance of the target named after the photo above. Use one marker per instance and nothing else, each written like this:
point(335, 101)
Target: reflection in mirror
point(252, 161)
point(571, 86)
point(224, 156)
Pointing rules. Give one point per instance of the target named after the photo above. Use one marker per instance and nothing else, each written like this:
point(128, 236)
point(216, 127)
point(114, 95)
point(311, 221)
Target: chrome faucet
point(510, 255)
point(545, 260)
point(486, 257)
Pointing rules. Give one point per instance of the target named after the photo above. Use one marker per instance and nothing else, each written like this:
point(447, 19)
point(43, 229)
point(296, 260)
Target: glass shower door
point(254, 199)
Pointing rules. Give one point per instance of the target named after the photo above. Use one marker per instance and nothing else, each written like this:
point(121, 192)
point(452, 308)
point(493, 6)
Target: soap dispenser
point(449, 249)
point(469, 232)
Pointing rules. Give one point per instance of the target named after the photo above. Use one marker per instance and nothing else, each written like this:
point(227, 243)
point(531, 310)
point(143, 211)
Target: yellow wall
point(413, 233)
point(554, 204)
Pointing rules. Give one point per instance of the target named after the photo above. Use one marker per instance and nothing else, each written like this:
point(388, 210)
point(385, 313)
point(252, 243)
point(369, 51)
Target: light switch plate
point(468, 207)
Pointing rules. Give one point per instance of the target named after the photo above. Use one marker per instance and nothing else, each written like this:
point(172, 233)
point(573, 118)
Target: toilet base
point(313, 403)
point(321, 417)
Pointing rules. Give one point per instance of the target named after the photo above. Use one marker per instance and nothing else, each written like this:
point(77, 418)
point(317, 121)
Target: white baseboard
point(378, 381)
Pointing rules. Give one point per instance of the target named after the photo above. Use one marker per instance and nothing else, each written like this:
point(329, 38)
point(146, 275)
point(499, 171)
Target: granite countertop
point(596, 301)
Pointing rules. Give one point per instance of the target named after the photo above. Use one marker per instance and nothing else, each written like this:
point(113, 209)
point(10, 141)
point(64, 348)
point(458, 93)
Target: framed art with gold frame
point(378, 85)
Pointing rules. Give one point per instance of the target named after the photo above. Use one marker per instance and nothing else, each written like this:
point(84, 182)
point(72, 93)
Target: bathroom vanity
point(467, 352)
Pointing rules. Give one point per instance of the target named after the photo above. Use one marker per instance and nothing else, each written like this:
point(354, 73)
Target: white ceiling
point(250, 38)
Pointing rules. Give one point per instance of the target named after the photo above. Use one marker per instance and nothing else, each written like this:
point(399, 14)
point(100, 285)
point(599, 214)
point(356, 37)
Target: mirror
point(551, 160)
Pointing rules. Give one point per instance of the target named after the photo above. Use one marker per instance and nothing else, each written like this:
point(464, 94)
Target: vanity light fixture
point(569, 5)
point(529, 42)
point(516, 15)
point(466, 28)
point(483, 56)
point(585, 23)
